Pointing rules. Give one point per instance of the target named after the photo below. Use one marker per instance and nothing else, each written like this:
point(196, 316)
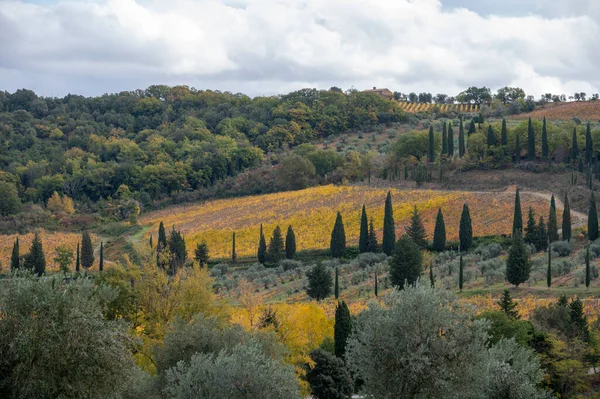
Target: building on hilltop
point(381, 92)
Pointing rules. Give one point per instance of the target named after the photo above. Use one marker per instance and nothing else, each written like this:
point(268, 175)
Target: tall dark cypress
point(491, 137)
point(337, 245)
point(531, 230)
point(461, 139)
point(101, 262)
point(15, 259)
point(552, 222)
point(518, 150)
point(363, 240)
point(276, 250)
point(592, 219)
point(450, 140)
point(431, 276)
point(336, 286)
point(290, 243)
point(162, 236)
point(150, 242)
point(517, 215)
point(35, 260)
point(233, 252)
point(439, 232)
point(544, 140)
point(589, 145)
point(341, 329)
point(466, 229)
point(574, 147)
point(376, 285)
point(372, 238)
point(444, 139)
point(262, 247)
point(471, 128)
point(431, 145)
point(416, 230)
point(461, 269)
point(588, 277)
point(77, 260)
point(566, 222)
point(504, 134)
point(518, 266)
point(389, 227)
point(530, 141)
point(87, 251)
point(549, 270)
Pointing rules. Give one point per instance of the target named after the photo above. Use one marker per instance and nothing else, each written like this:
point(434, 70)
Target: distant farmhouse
point(381, 92)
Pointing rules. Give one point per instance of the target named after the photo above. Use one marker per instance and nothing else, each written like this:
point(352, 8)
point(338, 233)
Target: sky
point(265, 47)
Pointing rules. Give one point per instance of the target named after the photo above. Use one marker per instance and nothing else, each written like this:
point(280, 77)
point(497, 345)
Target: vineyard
point(413, 108)
point(312, 213)
point(584, 110)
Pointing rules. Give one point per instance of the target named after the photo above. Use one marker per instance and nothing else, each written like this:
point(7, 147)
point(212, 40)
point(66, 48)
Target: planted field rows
point(312, 213)
point(413, 108)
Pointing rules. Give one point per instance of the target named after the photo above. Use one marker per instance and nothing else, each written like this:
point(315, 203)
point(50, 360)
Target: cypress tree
point(439, 233)
point(530, 141)
point(162, 236)
point(290, 243)
point(544, 140)
point(566, 222)
point(338, 238)
point(574, 149)
point(450, 140)
point(376, 288)
point(517, 215)
point(201, 254)
point(549, 270)
point(491, 137)
point(466, 229)
point(504, 134)
point(471, 128)
point(589, 146)
point(15, 260)
point(233, 252)
point(372, 238)
point(518, 150)
point(341, 329)
point(177, 247)
point(542, 235)
point(389, 228)
point(461, 268)
point(518, 266)
point(35, 260)
point(431, 145)
point(262, 247)
point(407, 263)
point(444, 139)
point(461, 139)
point(552, 222)
point(101, 262)
point(416, 230)
point(336, 287)
point(87, 251)
point(431, 276)
point(592, 220)
point(508, 305)
point(276, 250)
point(77, 260)
point(150, 242)
point(588, 277)
point(531, 232)
point(363, 240)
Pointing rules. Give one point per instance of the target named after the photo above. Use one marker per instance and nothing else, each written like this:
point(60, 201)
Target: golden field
point(312, 213)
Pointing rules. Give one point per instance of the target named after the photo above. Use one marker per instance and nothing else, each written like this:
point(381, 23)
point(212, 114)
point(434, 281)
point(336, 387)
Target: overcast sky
point(275, 46)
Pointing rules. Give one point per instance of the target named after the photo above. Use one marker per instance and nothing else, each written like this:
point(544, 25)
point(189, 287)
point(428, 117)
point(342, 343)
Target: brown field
point(584, 110)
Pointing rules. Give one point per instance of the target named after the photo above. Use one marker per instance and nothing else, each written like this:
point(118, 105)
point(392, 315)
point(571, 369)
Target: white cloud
point(272, 46)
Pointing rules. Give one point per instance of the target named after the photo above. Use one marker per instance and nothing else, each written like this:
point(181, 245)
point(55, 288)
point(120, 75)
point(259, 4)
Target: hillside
point(584, 110)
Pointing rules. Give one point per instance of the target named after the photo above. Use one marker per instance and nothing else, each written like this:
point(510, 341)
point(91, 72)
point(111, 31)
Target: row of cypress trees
point(277, 250)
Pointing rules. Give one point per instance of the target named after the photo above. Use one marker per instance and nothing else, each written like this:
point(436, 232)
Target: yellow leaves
point(57, 204)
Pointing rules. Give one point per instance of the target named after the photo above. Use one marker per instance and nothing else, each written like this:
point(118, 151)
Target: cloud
point(273, 46)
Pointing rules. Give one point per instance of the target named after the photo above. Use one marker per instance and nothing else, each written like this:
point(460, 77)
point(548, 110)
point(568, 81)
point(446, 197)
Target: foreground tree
point(592, 219)
point(416, 230)
point(518, 266)
point(421, 362)
point(389, 227)
point(341, 329)
point(87, 251)
point(290, 243)
point(552, 222)
point(329, 378)
point(363, 237)
point(201, 254)
point(319, 282)
point(276, 249)
point(35, 260)
point(407, 263)
point(439, 232)
point(465, 230)
point(337, 245)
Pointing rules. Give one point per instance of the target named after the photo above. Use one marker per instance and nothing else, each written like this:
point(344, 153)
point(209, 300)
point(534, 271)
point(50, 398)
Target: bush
point(562, 248)
point(290, 264)
point(491, 264)
point(369, 259)
point(488, 251)
point(562, 267)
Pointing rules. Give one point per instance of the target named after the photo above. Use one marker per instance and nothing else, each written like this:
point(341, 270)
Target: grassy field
point(584, 110)
point(312, 213)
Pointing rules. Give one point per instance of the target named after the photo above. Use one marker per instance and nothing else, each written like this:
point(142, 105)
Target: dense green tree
point(35, 260)
point(531, 230)
point(262, 247)
point(450, 140)
point(566, 222)
point(518, 150)
point(461, 271)
point(407, 263)
point(588, 278)
point(15, 258)
point(416, 230)
point(549, 269)
point(9, 199)
point(439, 232)
point(290, 243)
point(592, 219)
point(101, 261)
point(201, 254)
point(77, 259)
point(461, 139)
point(319, 282)
point(552, 222)
point(431, 152)
point(342, 328)
point(542, 235)
point(372, 239)
point(177, 249)
point(530, 141)
point(329, 378)
point(465, 230)
point(337, 246)
point(508, 305)
point(276, 250)
point(517, 215)
point(545, 151)
point(589, 145)
point(363, 238)
point(504, 133)
point(389, 226)
point(574, 148)
point(87, 250)
point(518, 265)
point(491, 137)
point(444, 138)
point(578, 326)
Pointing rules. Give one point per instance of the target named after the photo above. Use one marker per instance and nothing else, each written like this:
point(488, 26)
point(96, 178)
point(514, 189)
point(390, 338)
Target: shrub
point(488, 251)
point(369, 259)
point(290, 264)
point(562, 248)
